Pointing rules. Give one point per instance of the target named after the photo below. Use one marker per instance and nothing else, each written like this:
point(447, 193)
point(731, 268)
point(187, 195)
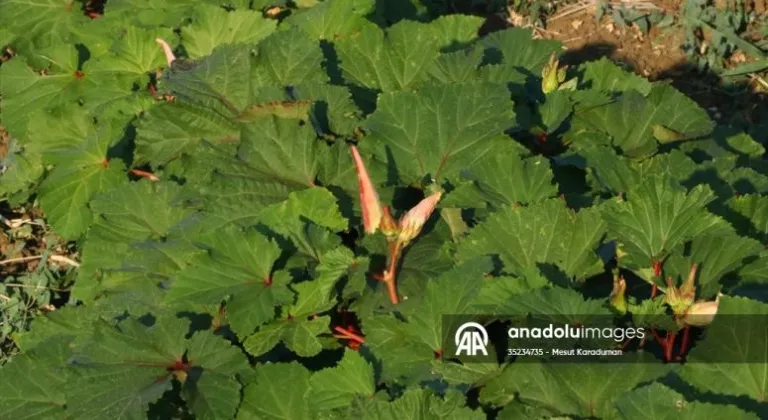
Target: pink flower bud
point(701, 313)
point(169, 57)
point(413, 221)
point(369, 199)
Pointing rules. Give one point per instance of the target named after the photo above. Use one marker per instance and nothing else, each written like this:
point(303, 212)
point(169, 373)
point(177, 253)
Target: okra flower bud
point(701, 314)
point(169, 57)
point(618, 301)
point(369, 198)
point(413, 221)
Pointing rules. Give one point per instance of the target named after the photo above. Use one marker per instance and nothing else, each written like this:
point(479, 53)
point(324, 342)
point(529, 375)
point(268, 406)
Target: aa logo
point(471, 338)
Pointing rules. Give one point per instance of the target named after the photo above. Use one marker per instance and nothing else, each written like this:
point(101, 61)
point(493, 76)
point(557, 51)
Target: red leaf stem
point(145, 174)
point(668, 345)
point(349, 334)
point(685, 342)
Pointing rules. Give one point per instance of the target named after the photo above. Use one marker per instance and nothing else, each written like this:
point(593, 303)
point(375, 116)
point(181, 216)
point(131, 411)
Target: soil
point(651, 55)
point(656, 56)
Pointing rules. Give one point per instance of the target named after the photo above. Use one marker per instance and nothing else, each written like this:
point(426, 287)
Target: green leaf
point(731, 358)
point(314, 296)
point(25, 90)
point(663, 403)
point(547, 232)
point(81, 173)
point(213, 392)
point(438, 131)
point(757, 271)
point(316, 205)
point(753, 215)
point(151, 13)
point(297, 334)
point(332, 19)
point(287, 58)
point(716, 256)
point(457, 67)
point(280, 391)
point(213, 26)
point(604, 75)
point(407, 348)
point(240, 266)
point(556, 108)
point(451, 293)
point(334, 112)
point(630, 120)
point(31, 385)
point(455, 30)
point(388, 61)
point(518, 50)
point(415, 403)
point(334, 388)
point(125, 365)
point(18, 169)
point(503, 178)
point(57, 131)
point(130, 273)
point(168, 130)
point(281, 149)
point(218, 85)
point(65, 194)
point(134, 55)
point(745, 144)
point(41, 22)
point(659, 215)
point(559, 304)
point(570, 389)
point(139, 210)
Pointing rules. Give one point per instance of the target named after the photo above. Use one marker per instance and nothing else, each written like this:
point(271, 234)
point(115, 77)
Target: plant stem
point(668, 345)
point(390, 274)
point(350, 335)
point(56, 258)
point(684, 344)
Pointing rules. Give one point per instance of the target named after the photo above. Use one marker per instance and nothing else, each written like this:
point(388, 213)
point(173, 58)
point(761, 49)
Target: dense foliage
point(225, 272)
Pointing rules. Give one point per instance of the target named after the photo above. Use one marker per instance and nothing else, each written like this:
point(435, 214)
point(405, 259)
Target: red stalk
point(349, 334)
point(145, 174)
point(668, 345)
point(389, 278)
point(684, 344)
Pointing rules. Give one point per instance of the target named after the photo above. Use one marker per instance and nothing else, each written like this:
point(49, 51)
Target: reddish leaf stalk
point(345, 333)
point(654, 290)
point(144, 174)
point(668, 345)
point(389, 274)
point(684, 344)
point(656, 268)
